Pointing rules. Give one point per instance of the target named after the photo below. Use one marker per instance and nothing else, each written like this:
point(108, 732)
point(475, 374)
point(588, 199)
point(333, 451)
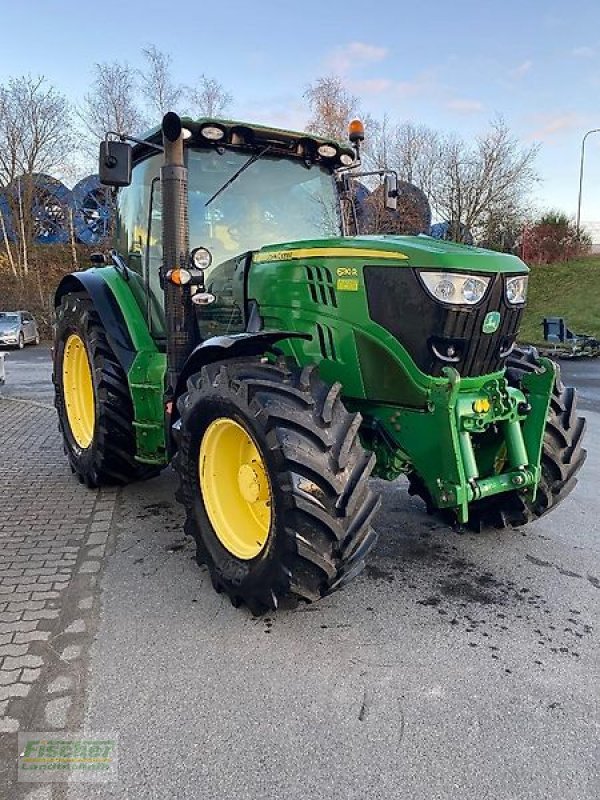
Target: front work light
point(212, 132)
point(454, 288)
point(516, 289)
point(327, 151)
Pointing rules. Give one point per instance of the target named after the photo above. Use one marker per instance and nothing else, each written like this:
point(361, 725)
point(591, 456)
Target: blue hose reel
point(93, 211)
point(86, 210)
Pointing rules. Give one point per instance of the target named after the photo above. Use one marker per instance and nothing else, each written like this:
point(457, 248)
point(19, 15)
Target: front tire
point(299, 467)
point(95, 411)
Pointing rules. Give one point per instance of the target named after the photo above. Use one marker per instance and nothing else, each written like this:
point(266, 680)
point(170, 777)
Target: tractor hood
point(414, 251)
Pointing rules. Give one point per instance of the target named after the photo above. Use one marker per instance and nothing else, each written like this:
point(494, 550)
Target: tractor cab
point(247, 187)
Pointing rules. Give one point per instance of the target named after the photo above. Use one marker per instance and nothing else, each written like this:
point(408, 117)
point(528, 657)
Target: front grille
point(427, 329)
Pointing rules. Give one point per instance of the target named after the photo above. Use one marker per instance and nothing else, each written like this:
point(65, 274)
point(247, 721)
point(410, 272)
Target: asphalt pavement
point(583, 373)
point(457, 666)
point(28, 374)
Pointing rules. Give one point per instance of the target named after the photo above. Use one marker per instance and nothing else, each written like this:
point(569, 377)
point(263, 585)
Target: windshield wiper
point(237, 174)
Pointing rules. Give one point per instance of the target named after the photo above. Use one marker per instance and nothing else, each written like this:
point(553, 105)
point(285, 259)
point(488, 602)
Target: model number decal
point(347, 272)
point(347, 285)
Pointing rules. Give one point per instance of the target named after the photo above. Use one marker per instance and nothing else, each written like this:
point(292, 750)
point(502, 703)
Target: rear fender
point(108, 309)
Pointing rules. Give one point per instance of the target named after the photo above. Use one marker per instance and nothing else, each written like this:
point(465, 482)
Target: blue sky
point(451, 65)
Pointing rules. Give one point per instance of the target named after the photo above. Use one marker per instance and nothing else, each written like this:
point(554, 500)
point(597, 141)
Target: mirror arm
point(379, 172)
point(125, 137)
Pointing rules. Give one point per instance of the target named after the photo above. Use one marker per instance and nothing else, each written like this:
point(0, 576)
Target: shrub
point(553, 238)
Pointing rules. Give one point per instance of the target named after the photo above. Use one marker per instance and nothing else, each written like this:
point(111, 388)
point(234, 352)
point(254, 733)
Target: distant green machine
point(280, 362)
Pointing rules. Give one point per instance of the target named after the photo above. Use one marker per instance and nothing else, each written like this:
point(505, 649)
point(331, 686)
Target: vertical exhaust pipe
point(179, 310)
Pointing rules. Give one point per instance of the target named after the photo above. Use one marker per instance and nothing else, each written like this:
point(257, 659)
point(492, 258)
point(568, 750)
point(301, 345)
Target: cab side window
point(132, 213)
point(140, 244)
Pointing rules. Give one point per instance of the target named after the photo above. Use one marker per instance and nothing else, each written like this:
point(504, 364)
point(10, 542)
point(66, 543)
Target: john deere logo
point(491, 322)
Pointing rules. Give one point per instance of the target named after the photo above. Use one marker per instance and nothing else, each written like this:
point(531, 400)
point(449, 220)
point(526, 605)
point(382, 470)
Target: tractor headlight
point(454, 288)
point(516, 289)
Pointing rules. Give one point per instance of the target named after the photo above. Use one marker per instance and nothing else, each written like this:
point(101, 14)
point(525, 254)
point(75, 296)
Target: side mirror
point(390, 188)
point(114, 167)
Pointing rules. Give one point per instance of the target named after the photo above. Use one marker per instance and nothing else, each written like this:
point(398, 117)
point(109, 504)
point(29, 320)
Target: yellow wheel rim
point(78, 391)
point(235, 487)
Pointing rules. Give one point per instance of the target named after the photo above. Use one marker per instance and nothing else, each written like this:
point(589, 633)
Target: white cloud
point(421, 84)
point(550, 126)
point(284, 111)
point(521, 70)
point(355, 54)
point(464, 106)
point(371, 86)
point(583, 52)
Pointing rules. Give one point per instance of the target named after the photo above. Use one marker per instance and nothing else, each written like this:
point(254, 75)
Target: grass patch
point(570, 290)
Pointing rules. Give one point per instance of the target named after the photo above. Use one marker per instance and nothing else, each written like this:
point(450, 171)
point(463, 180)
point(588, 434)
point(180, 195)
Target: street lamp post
point(594, 130)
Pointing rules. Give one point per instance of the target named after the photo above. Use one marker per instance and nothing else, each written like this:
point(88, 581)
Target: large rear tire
point(562, 458)
point(95, 411)
point(274, 482)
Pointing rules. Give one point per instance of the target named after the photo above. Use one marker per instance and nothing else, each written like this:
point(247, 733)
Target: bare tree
point(10, 136)
point(482, 187)
point(332, 106)
point(156, 83)
point(35, 129)
point(112, 105)
point(494, 177)
point(208, 98)
point(35, 137)
point(412, 150)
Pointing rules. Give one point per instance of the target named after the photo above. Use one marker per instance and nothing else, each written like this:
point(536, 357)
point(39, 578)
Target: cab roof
point(247, 135)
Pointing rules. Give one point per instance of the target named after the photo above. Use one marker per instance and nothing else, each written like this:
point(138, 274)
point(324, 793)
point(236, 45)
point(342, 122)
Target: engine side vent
point(320, 285)
point(326, 342)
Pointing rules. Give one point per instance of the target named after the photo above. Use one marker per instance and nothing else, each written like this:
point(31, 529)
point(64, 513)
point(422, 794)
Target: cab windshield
point(275, 200)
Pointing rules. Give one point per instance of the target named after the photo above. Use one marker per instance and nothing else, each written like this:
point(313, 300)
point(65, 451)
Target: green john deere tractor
point(240, 331)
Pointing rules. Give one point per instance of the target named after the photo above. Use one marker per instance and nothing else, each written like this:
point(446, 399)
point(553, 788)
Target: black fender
point(107, 309)
point(237, 345)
